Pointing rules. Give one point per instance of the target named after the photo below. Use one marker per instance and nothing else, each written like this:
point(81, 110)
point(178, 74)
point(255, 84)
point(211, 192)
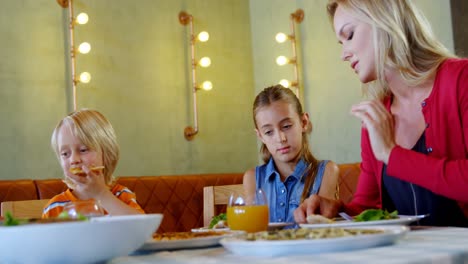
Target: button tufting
point(429, 149)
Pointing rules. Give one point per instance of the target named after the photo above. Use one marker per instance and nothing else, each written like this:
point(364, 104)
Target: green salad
point(375, 214)
point(63, 217)
point(217, 218)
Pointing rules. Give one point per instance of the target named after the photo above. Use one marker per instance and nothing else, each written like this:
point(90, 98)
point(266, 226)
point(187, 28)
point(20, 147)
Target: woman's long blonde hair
point(403, 40)
point(96, 132)
point(278, 93)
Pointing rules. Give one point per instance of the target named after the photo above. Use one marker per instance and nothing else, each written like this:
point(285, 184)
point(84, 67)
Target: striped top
point(55, 205)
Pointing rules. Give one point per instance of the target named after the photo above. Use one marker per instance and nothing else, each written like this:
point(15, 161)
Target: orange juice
point(249, 218)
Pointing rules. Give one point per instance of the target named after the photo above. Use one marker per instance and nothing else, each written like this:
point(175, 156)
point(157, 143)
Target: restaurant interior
point(141, 79)
point(177, 80)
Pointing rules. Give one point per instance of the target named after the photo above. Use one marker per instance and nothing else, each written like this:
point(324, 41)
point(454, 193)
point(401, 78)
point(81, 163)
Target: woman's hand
point(380, 125)
point(92, 186)
point(317, 205)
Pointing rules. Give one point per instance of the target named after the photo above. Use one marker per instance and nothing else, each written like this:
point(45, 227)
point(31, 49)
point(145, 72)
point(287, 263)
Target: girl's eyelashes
point(350, 36)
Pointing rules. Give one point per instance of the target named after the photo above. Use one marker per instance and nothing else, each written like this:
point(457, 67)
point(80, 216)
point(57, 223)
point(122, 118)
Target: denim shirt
point(284, 197)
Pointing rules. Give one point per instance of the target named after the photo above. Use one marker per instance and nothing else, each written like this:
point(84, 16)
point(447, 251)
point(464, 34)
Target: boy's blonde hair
point(403, 40)
point(278, 93)
point(94, 131)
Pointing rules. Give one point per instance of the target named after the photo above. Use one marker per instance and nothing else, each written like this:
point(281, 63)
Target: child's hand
point(90, 184)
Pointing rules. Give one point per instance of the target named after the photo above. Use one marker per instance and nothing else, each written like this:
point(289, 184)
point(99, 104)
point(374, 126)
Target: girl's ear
point(259, 135)
point(305, 123)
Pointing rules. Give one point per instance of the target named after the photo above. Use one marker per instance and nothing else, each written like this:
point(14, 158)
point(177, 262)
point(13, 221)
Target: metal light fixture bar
point(296, 17)
point(187, 19)
point(85, 76)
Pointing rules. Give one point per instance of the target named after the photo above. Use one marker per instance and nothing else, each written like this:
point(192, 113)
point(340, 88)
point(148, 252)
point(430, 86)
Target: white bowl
point(96, 240)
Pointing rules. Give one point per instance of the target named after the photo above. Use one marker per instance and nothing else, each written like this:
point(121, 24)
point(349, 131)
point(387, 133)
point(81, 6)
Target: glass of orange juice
point(248, 214)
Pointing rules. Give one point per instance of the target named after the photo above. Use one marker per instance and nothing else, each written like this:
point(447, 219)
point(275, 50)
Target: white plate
point(401, 220)
point(198, 242)
point(207, 229)
point(271, 226)
point(278, 225)
point(93, 241)
point(314, 246)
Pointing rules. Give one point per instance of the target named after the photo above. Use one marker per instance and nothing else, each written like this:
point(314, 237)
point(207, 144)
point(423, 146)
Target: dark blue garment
point(412, 199)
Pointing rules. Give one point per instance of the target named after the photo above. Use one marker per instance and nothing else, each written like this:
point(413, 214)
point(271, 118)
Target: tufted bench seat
point(178, 197)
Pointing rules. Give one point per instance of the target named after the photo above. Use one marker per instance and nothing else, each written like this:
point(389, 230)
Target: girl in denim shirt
point(290, 173)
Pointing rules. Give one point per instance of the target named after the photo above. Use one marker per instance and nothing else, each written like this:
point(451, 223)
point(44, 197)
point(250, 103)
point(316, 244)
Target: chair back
point(217, 195)
point(24, 209)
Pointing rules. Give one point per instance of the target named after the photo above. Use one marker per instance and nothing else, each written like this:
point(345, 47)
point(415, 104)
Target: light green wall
point(140, 80)
point(329, 86)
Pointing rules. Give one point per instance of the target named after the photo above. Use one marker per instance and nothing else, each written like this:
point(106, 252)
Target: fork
point(346, 216)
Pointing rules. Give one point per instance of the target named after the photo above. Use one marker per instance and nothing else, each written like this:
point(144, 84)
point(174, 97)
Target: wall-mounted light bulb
point(205, 62)
point(285, 83)
point(84, 48)
point(85, 77)
point(281, 37)
point(282, 60)
point(82, 18)
point(207, 85)
point(203, 36)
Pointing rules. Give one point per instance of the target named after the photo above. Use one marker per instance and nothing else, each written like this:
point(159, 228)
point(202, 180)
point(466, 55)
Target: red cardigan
point(444, 170)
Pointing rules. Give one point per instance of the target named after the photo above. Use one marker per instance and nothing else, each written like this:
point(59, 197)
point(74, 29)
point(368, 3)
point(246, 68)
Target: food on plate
point(78, 171)
point(66, 215)
point(375, 214)
point(304, 233)
point(318, 219)
point(185, 235)
point(13, 221)
point(219, 221)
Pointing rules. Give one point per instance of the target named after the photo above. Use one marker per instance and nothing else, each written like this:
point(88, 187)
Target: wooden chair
point(217, 195)
point(24, 209)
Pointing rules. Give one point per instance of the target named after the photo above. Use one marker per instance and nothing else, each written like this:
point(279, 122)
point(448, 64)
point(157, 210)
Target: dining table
point(420, 245)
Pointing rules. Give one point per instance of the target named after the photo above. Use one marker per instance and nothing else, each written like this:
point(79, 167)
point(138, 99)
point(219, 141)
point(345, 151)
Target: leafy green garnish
point(217, 218)
point(375, 214)
point(65, 215)
point(10, 220)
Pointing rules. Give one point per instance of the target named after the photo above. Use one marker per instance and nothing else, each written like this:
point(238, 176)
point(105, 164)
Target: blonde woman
point(415, 125)
point(87, 149)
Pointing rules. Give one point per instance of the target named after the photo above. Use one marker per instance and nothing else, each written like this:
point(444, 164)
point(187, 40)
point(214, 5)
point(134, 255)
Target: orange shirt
point(55, 205)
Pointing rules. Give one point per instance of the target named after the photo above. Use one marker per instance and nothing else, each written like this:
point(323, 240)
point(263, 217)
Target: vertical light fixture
point(83, 48)
point(295, 17)
point(187, 19)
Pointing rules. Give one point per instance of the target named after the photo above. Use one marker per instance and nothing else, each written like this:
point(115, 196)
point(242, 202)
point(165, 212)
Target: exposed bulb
point(207, 85)
point(205, 62)
point(282, 60)
point(203, 36)
point(84, 48)
point(281, 37)
point(82, 18)
point(285, 83)
point(85, 77)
